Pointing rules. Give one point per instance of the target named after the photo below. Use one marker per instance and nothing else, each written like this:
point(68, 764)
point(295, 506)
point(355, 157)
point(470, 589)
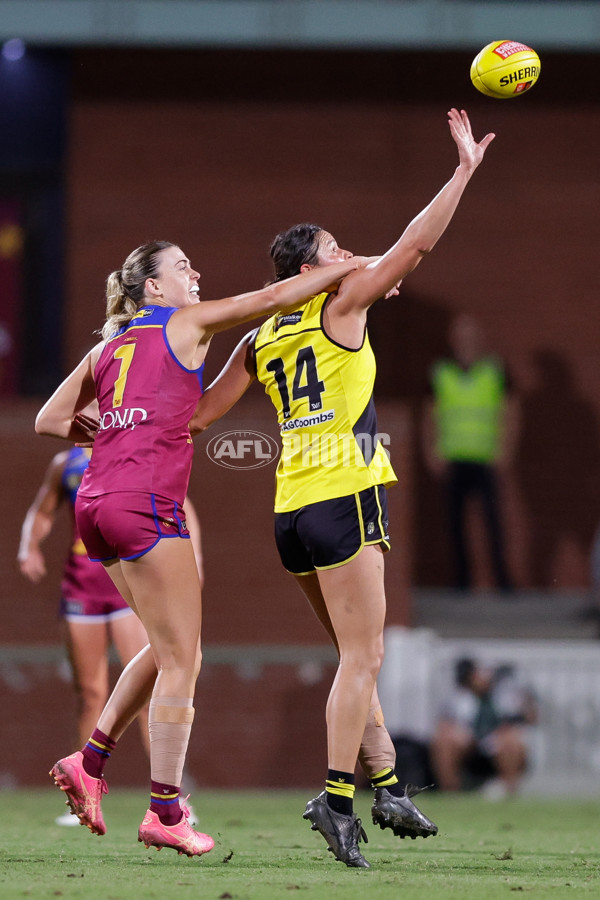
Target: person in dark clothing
point(481, 732)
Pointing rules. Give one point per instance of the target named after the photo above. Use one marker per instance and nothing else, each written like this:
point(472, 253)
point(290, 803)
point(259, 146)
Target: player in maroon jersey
point(147, 377)
point(95, 614)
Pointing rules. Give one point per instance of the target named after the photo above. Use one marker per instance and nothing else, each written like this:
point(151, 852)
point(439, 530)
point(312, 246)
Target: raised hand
point(470, 153)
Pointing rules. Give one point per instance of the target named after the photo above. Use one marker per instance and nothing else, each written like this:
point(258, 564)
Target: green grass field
point(265, 850)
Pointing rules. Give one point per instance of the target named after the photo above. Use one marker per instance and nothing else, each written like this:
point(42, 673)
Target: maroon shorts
point(88, 593)
point(126, 525)
point(81, 602)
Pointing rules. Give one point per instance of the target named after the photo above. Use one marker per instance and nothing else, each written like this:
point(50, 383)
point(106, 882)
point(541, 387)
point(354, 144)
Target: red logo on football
point(507, 48)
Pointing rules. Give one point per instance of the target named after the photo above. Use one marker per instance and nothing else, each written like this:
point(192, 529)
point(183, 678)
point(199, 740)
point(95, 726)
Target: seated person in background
point(481, 733)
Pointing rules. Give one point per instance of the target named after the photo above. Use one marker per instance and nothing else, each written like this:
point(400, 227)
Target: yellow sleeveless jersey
point(323, 395)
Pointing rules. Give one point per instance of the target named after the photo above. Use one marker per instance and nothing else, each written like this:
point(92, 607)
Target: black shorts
point(330, 533)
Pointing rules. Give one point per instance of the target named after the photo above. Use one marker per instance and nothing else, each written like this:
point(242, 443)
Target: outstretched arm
point(227, 388)
point(39, 520)
point(361, 288)
point(190, 329)
point(57, 415)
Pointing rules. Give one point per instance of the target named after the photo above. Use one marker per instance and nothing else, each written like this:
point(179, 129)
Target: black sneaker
point(400, 814)
point(342, 833)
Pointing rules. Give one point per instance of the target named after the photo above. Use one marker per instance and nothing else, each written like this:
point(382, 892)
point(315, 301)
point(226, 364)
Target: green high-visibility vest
point(468, 409)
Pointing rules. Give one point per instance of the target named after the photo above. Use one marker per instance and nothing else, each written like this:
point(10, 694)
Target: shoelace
point(360, 833)
point(411, 790)
point(184, 807)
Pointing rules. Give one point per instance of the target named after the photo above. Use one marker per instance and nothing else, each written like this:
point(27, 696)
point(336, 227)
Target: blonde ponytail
point(120, 309)
point(125, 287)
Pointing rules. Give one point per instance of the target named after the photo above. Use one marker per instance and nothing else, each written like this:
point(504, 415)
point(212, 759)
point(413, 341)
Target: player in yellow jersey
point(318, 369)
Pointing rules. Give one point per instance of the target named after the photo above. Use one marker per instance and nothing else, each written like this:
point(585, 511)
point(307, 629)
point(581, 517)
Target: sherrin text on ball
point(505, 69)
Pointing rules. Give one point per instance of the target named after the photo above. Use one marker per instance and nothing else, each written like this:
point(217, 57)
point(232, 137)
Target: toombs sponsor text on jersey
point(122, 418)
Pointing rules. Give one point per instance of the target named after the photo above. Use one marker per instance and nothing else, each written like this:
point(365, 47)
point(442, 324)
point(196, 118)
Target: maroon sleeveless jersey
point(146, 400)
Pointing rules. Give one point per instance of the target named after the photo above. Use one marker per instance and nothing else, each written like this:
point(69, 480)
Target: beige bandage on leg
point(376, 749)
point(169, 724)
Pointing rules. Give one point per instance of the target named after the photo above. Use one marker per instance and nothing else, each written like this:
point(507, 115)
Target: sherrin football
point(505, 69)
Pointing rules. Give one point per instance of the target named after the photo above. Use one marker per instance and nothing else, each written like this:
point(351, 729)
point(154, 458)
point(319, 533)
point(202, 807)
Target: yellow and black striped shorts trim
point(330, 533)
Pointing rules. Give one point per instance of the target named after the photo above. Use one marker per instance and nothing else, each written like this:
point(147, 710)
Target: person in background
point(94, 613)
point(470, 432)
point(481, 735)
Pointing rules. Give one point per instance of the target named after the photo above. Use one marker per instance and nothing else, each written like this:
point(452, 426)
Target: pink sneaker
point(84, 793)
point(180, 837)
